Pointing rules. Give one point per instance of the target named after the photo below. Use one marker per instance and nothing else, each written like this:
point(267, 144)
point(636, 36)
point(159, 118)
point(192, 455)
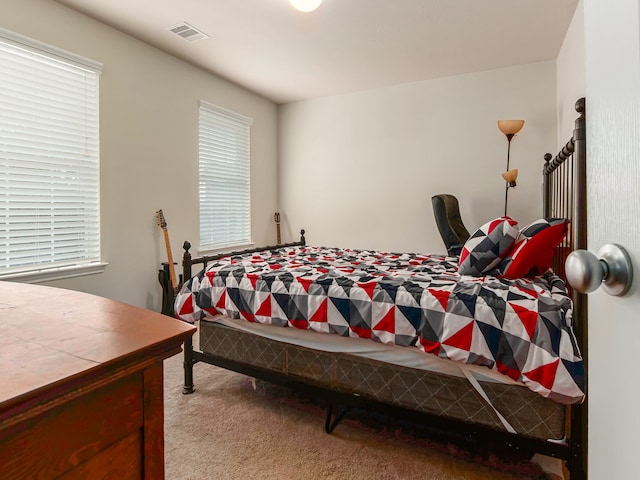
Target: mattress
point(507, 407)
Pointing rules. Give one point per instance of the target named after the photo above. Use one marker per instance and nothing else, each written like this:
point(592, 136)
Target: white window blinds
point(49, 164)
point(225, 216)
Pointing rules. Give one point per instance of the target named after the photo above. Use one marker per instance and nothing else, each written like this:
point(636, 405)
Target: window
point(225, 215)
point(49, 163)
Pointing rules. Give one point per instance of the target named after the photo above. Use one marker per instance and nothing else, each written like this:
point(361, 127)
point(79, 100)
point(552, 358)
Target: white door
point(612, 49)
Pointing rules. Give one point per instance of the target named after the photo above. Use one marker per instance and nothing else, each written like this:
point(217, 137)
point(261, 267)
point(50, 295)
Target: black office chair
point(447, 214)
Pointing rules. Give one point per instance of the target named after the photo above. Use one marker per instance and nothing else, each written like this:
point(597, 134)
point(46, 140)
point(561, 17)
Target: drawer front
point(121, 461)
point(67, 437)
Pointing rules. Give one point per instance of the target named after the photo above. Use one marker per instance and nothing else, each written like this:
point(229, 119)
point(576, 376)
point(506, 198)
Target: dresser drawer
point(98, 430)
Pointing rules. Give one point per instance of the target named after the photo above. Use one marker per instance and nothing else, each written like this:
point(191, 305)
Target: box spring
point(439, 394)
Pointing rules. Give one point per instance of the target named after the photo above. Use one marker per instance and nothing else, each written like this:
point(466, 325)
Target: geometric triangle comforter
point(521, 328)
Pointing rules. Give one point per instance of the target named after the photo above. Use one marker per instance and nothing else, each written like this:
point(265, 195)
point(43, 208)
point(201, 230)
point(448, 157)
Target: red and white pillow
point(533, 249)
point(487, 246)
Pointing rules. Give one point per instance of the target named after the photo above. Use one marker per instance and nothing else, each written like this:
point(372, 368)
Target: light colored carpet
point(229, 430)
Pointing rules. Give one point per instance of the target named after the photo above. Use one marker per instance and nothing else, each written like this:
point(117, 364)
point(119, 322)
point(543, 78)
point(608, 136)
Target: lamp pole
point(506, 190)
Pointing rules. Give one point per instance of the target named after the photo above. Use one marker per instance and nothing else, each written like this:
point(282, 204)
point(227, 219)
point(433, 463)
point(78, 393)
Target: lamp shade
point(305, 5)
point(510, 127)
point(510, 176)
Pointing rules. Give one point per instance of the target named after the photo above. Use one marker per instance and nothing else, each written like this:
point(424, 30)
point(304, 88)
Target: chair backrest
point(447, 215)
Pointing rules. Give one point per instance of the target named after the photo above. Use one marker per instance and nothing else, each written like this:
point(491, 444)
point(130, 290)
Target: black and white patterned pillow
point(487, 246)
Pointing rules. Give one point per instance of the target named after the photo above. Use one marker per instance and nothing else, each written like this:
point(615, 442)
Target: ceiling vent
point(189, 33)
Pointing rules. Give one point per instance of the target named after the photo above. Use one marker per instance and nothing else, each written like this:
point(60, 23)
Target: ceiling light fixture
point(305, 5)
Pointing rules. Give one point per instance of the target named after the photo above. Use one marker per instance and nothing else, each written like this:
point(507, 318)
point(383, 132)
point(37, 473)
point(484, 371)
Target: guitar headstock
point(276, 217)
point(162, 223)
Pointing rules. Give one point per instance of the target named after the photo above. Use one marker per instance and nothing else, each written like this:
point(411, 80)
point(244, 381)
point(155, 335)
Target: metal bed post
point(578, 460)
point(188, 366)
point(574, 175)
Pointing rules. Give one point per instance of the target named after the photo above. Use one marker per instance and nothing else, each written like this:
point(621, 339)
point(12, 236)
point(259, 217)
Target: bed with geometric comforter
point(520, 328)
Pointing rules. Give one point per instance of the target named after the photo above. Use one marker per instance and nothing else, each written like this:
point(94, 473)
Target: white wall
point(149, 146)
point(570, 66)
point(359, 170)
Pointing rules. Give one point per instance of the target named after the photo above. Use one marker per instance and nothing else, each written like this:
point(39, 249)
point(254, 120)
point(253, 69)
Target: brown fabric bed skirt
point(447, 396)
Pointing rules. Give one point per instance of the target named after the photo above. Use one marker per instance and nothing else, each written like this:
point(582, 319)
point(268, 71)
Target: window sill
point(225, 249)
point(56, 273)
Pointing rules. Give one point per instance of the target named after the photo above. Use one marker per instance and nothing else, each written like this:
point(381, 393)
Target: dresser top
point(49, 336)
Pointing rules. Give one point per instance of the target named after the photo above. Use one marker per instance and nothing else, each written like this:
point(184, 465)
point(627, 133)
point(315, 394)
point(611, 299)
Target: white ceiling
point(345, 45)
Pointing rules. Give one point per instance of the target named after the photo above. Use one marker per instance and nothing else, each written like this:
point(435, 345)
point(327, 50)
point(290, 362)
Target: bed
point(486, 357)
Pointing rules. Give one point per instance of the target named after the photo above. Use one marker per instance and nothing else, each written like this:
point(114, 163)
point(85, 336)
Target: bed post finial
point(302, 239)
point(186, 261)
point(546, 190)
point(580, 104)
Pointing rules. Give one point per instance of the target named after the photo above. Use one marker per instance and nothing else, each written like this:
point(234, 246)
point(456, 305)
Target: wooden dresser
point(81, 385)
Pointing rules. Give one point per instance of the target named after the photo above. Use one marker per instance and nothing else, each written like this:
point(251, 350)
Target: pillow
point(487, 246)
point(533, 250)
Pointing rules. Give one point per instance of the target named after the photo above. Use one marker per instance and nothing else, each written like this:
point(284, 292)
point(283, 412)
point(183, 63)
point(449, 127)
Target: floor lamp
point(509, 128)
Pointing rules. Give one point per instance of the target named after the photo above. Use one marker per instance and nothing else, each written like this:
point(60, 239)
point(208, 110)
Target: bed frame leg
point(329, 424)
point(188, 367)
point(575, 465)
point(577, 462)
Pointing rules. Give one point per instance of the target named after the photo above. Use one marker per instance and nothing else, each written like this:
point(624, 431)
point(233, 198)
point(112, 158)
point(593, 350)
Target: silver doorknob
point(611, 268)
